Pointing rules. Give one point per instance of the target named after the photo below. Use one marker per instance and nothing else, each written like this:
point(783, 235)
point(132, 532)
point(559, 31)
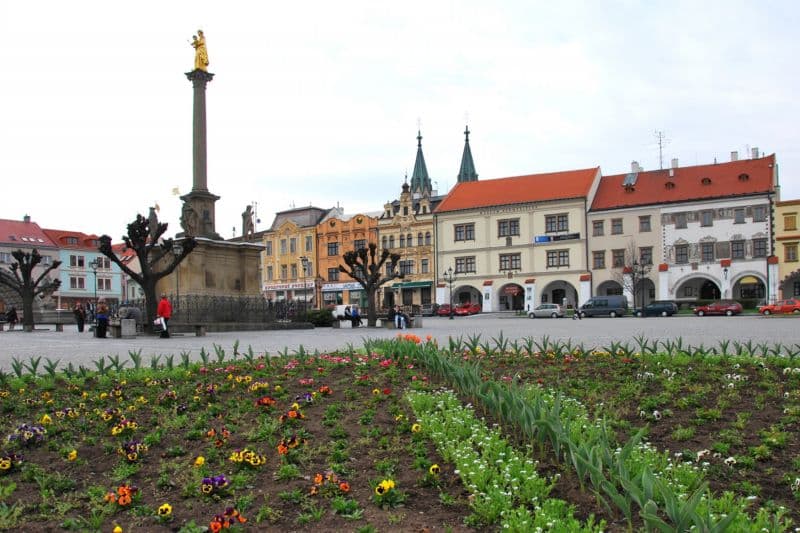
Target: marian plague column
point(197, 216)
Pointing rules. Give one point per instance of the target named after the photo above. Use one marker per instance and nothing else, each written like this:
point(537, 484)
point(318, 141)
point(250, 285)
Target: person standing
point(80, 316)
point(356, 317)
point(11, 317)
point(164, 311)
point(101, 315)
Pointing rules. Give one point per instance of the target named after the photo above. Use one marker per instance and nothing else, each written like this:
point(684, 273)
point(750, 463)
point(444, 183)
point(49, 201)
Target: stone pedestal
point(217, 268)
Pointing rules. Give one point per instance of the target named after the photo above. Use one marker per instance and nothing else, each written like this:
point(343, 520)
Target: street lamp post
point(725, 275)
point(304, 264)
point(638, 273)
point(450, 276)
point(177, 249)
point(94, 265)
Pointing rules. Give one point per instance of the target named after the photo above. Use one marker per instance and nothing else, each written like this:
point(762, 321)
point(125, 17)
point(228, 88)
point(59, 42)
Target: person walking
point(80, 316)
point(101, 315)
point(11, 317)
point(356, 317)
point(164, 311)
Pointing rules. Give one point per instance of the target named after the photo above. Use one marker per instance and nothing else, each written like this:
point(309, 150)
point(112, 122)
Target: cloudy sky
point(319, 102)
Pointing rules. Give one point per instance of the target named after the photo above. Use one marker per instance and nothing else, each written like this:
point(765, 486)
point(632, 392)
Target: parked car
point(721, 307)
point(613, 305)
point(428, 309)
point(547, 310)
point(468, 308)
point(444, 310)
point(781, 307)
point(656, 309)
point(671, 303)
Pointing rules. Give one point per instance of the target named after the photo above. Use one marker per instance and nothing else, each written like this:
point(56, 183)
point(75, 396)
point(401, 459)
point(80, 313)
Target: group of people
point(102, 314)
point(353, 315)
point(401, 320)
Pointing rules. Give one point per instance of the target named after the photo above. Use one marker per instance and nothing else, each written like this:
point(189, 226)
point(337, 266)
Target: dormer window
point(72, 240)
point(669, 185)
point(706, 181)
point(629, 188)
point(744, 177)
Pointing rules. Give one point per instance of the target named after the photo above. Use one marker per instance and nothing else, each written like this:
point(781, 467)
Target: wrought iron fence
point(256, 310)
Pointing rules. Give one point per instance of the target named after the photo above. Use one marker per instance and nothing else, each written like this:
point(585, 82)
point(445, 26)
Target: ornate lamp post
point(177, 249)
point(450, 276)
point(94, 265)
point(304, 263)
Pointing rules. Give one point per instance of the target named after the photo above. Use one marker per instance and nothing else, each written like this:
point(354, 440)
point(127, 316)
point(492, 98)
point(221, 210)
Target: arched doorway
point(466, 294)
point(645, 292)
point(559, 292)
point(749, 288)
point(697, 288)
point(511, 297)
point(609, 288)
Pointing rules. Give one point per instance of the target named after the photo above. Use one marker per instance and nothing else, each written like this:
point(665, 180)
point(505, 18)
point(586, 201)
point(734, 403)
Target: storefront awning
point(411, 284)
point(747, 280)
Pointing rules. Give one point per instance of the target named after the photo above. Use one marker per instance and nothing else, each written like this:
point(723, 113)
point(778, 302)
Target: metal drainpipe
point(586, 251)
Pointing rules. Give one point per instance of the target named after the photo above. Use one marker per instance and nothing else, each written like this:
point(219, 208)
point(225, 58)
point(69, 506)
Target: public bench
point(342, 323)
point(122, 329)
point(198, 329)
point(413, 322)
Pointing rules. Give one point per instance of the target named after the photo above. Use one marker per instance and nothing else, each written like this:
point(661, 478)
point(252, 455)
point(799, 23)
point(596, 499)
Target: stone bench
point(342, 324)
point(414, 322)
point(198, 329)
point(122, 329)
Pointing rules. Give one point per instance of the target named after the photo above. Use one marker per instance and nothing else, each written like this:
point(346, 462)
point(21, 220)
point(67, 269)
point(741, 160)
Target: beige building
point(513, 243)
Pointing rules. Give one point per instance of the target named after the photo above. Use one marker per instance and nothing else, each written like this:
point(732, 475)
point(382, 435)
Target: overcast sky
point(319, 102)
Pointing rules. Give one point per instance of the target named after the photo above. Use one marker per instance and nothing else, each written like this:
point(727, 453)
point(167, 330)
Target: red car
point(444, 310)
point(781, 307)
point(722, 307)
point(468, 309)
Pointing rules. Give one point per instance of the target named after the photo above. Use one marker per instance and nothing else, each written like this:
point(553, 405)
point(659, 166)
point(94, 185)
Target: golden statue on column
point(200, 51)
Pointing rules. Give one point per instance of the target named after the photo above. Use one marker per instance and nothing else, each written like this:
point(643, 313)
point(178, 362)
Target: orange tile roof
point(85, 242)
point(688, 183)
point(519, 190)
point(18, 233)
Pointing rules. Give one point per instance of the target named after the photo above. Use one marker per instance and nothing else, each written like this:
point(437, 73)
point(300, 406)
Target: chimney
point(674, 162)
point(754, 153)
point(734, 156)
point(26, 219)
point(635, 166)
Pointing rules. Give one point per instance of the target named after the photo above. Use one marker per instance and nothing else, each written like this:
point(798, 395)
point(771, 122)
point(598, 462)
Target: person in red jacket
point(164, 311)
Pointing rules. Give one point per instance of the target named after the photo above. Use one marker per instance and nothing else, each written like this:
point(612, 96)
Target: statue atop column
point(200, 51)
point(248, 226)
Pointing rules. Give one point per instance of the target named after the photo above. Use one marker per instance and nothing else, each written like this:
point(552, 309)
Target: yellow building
point(290, 254)
point(787, 239)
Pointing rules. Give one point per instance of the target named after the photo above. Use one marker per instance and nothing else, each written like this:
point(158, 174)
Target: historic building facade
point(335, 236)
point(289, 258)
point(513, 243)
point(406, 227)
point(23, 235)
point(715, 229)
point(787, 241)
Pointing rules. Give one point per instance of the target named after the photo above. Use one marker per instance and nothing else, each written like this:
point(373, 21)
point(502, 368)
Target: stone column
point(199, 79)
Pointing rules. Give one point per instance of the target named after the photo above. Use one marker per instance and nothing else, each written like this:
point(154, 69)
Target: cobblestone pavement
point(83, 348)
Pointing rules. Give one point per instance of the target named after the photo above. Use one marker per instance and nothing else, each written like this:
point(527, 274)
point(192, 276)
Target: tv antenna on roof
point(662, 141)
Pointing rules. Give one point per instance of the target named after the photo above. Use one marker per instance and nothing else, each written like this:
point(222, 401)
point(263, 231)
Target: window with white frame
point(103, 284)
point(759, 247)
point(737, 249)
point(76, 261)
point(706, 218)
point(6, 257)
point(707, 252)
point(682, 253)
point(738, 215)
point(77, 282)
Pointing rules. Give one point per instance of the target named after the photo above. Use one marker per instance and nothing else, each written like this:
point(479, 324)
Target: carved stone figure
point(248, 227)
point(200, 51)
point(189, 220)
point(152, 223)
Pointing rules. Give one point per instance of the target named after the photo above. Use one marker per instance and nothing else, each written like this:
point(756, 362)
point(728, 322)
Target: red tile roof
point(687, 183)
point(62, 237)
point(23, 234)
point(519, 190)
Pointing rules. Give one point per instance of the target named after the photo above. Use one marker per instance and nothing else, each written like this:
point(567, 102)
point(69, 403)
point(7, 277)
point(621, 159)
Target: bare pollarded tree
point(20, 278)
point(367, 268)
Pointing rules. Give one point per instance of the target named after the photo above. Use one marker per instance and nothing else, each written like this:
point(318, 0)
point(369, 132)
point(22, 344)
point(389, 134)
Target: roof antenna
point(662, 141)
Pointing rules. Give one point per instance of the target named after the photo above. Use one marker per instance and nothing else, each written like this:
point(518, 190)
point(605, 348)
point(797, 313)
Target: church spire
point(420, 182)
point(467, 170)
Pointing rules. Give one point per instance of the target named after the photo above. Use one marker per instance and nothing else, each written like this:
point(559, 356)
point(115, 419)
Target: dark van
point(612, 306)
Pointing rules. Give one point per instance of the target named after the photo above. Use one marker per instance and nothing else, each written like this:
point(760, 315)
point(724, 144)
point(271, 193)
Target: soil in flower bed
point(354, 430)
point(738, 418)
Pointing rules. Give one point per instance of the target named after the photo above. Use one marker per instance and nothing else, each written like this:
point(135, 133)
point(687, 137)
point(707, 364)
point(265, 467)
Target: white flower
point(657, 415)
point(730, 461)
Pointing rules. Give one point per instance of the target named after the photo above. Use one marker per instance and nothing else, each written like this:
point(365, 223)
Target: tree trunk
point(151, 303)
point(27, 309)
point(372, 313)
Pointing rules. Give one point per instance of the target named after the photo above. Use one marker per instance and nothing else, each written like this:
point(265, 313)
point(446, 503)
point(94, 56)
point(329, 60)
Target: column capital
point(199, 78)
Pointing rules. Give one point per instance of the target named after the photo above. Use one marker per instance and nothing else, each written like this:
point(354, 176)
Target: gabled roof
point(682, 184)
point(302, 216)
point(22, 234)
point(75, 240)
point(519, 190)
point(467, 171)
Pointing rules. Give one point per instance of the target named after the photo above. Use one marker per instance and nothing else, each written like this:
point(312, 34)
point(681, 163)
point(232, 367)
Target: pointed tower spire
point(420, 182)
point(467, 170)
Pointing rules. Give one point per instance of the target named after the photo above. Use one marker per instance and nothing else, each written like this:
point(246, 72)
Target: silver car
point(547, 311)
